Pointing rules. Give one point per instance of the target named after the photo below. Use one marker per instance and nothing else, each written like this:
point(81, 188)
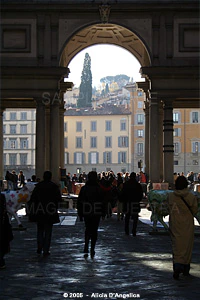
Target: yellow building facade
point(97, 139)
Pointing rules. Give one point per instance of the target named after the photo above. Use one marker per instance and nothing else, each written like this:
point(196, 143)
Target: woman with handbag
point(182, 208)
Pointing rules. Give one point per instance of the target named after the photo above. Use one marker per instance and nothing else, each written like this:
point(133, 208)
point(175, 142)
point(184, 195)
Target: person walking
point(43, 207)
point(6, 235)
point(183, 206)
point(90, 205)
point(14, 180)
point(21, 178)
point(131, 195)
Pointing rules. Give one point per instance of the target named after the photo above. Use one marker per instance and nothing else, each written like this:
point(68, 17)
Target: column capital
point(168, 103)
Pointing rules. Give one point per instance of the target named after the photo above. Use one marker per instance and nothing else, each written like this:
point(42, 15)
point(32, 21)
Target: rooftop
point(107, 109)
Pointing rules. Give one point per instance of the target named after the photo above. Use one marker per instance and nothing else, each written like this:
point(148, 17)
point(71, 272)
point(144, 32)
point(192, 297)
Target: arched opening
point(105, 34)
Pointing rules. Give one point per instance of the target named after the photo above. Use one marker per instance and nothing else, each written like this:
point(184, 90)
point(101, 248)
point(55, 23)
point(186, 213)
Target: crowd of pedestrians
point(16, 181)
point(98, 197)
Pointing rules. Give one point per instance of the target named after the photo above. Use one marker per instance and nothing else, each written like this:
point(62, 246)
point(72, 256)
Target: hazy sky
point(106, 60)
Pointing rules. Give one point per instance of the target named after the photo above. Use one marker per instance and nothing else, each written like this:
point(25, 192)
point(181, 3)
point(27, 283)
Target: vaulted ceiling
point(105, 34)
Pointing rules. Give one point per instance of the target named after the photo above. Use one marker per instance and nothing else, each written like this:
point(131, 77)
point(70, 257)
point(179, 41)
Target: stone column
point(47, 138)
point(146, 110)
point(62, 149)
point(154, 140)
point(1, 146)
point(160, 125)
point(55, 140)
point(40, 138)
point(168, 147)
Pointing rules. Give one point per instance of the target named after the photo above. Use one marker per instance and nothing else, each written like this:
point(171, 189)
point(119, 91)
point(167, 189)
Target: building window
point(123, 141)
point(12, 159)
point(122, 157)
point(4, 159)
point(122, 125)
point(175, 162)
point(65, 127)
point(78, 142)
point(66, 158)
point(140, 149)
point(140, 93)
point(93, 142)
point(23, 159)
point(23, 143)
point(12, 129)
point(140, 119)
point(93, 157)
point(13, 116)
point(108, 125)
point(195, 117)
point(195, 147)
point(93, 126)
point(177, 131)
point(195, 162)
point(12, 143)
point(107, 157)
point(23, 116)
point(140, 133)
point(23, 129)
point(140, 104)
point(66, 142)
point(78, 157)
point(176, 148)
point(4, 144)
point(4, 129)
point(78, 126)
point(176, 117)
point(108, 142)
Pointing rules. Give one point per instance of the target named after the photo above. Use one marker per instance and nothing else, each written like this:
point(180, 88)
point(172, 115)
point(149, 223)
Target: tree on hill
point(85, 92)
point(121, 80)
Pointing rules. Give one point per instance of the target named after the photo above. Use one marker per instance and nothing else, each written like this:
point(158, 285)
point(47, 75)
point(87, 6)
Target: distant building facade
point(186, 134)
point(105, 137)
point(186, 140)
point(97, 139)
point(19, 141)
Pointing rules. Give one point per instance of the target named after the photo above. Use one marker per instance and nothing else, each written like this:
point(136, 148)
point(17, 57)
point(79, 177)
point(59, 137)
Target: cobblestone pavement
point(125, 267)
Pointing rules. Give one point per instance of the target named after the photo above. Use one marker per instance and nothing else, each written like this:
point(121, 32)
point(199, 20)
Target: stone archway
point(38, 40)
point(105, 34)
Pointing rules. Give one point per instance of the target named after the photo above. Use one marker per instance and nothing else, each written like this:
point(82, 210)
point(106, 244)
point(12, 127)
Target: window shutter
point(89, 158)
point(83, 158)
point(119, 141)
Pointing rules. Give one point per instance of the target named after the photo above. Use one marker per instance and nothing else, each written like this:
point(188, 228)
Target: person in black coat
point(91, 208)
point(6, 235)
point(43, 207)
point(131, 195)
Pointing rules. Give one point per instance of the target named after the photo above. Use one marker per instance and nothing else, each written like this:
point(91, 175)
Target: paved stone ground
point(125, 267)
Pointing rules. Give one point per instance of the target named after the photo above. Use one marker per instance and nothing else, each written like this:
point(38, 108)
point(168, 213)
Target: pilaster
point(146, 111)
point(40, 138)
point(154, 140)
point(62, 149)
point(55, 139)
point(1, 145)
point(168, 147)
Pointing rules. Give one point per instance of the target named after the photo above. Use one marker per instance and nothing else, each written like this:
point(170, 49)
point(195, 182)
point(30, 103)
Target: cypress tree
point(85, 91)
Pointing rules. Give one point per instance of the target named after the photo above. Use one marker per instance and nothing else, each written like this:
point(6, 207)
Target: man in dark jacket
point(91, 207)
point(131, 195)
point(43, 206)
